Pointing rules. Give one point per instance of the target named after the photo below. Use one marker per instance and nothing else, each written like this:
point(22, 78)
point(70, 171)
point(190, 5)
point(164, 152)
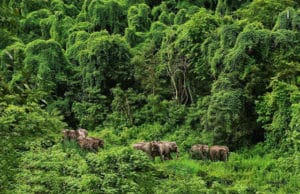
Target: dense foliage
point(204, 71)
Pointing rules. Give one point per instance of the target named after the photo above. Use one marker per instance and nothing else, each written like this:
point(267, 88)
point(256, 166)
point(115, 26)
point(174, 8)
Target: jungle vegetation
point(217, 72)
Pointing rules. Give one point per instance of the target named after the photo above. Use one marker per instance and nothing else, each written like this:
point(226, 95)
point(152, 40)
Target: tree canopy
point(206, 71)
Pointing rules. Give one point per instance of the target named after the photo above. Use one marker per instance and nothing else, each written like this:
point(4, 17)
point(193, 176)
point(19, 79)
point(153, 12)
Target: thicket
point(206, 71)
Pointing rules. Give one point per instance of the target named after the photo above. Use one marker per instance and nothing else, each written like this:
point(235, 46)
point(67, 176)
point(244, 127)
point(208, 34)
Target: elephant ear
point(155, 147)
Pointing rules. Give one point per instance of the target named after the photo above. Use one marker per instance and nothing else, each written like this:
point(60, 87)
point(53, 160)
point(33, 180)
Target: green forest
point(187, 72)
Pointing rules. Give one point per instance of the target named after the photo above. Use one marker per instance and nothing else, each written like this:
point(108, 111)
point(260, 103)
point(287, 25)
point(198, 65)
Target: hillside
point(214, 72)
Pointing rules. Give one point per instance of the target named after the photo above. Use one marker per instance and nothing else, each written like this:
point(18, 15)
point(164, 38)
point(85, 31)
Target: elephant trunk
point(177, 153)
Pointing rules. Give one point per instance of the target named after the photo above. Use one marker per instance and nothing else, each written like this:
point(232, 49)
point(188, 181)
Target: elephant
point(227, 151)
point(138, 145)
point(69, 134)
point(86, 143)
point(165, 148)
point(74, 134)
point(219, 153)
point(147, 147)
point(158, 148)
point(199, 151)
point(81, 132)
point(65, 133)
point(97, 143)
point(90, 143)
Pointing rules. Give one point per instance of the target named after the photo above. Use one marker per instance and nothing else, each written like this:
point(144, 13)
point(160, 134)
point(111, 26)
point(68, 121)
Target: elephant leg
point(162, 158)
point(195, 155)
point(206, 155)
point(218, 156)
point(168, 157)
point(177, 154)
point(215, 156)
point(191, 155)
point(201, 155)
point(222, 156)
point(225, 156)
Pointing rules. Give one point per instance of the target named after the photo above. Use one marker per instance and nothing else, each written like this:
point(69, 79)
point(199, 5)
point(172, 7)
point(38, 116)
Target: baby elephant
point(220, 153)
point(199, 151)
point(90, 143)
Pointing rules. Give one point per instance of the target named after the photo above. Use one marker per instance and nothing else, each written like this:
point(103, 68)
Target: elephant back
point(138, 146)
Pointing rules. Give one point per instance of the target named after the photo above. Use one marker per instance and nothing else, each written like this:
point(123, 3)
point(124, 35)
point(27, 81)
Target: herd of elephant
point(163, 149)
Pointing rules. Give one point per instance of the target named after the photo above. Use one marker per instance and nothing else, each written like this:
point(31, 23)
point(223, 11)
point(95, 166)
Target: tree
point(226, 115)
point(60, 27)
point(23, 126)
point(138, 17)
point(177, 67)
point(32, 25)
point(266, 11)
point(46, 66)
point(104, 64)
point(277, 113)
point(107, 15)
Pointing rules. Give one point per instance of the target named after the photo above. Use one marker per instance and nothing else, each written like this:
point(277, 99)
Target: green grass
point(238, 175)
point(246, 171)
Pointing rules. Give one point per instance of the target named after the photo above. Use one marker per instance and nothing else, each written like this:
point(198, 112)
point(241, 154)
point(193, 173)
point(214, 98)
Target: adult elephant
point(69, 134)
point(148, 147)
point(165, 148)
point(227, 152)
point(218, 152)
point(81, 133)
point(90, 143)
point(199, 151)
point(158, 148)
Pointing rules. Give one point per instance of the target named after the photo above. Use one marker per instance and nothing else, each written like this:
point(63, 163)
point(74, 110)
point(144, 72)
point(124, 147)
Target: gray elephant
point(65, 134)
point(69, 134)
point(81, 133)
point(165, 148)
point(139, 145)
point(90, 143)
point(148, 147)
point(199, 151)
point(74, 134)
point(219, 153)
point(174, 148)
point(227, 151)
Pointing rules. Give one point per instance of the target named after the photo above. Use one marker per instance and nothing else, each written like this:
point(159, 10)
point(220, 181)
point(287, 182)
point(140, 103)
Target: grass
point(242, 175)
point(248, 171)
